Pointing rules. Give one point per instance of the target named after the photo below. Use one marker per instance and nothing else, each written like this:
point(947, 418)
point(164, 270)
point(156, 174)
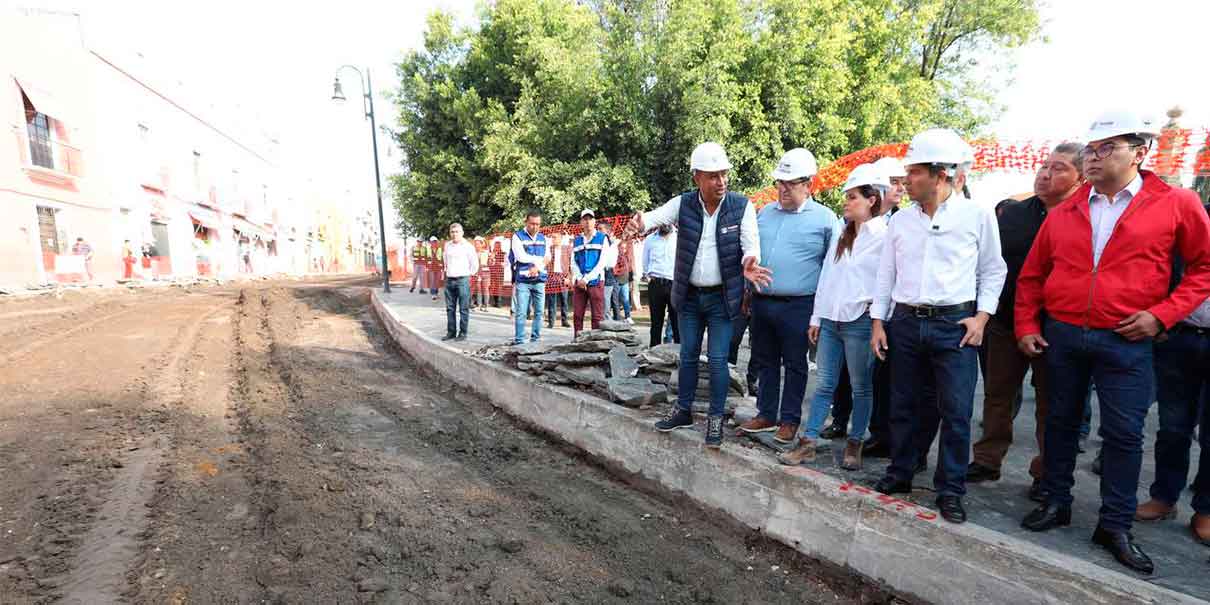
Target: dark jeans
point(1124, 377)
point(779, 329)
point(659, 291)
point(457, 305)
point(704, 309)
point(929, 347)
point(562, 300)
point(739, 326)
point(1183, 390)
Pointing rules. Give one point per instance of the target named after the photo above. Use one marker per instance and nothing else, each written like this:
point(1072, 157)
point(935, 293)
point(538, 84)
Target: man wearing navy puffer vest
point(718, 247)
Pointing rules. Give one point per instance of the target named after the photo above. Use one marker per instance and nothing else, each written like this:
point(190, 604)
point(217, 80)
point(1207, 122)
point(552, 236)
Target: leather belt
point(929, 311)
point(718, 288)
point(783, 299)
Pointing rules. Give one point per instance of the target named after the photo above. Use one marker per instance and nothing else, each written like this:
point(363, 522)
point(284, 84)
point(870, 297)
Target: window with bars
point(38, 127)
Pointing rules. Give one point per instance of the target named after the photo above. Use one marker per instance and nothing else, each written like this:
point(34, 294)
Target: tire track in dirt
point(110, 547)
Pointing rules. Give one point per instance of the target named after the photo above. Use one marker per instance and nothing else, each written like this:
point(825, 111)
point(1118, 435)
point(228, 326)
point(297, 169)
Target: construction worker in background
point(419, 258)
point(436, 252)
point(941, 269)
point(794, 236)
point(529, 286)
point(1100, 269)
point(588, 273)
point(481, 287)
point(718, 247)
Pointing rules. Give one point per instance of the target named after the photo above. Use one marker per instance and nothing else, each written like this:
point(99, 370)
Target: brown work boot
point(1200, 526)
point(1155, 510)
point(758, 425)
point(786, 433)
point(804, 453)
point(852, 456)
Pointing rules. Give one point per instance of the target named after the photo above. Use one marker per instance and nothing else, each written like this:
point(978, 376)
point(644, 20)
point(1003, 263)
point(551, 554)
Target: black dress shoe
point(1037, 493)
point(890, 485)
point(951, 508)
point(1121, 545)
point(833, 431)
point(460, 337)
point(448, 337)
point(875, 448)
point(977, 473)
point(1047, 516)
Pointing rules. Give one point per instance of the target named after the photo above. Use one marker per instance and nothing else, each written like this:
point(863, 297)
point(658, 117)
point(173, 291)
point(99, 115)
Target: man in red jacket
point(1100, 268)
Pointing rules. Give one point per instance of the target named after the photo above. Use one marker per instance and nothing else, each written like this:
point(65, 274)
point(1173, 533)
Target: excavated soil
point(265, 443)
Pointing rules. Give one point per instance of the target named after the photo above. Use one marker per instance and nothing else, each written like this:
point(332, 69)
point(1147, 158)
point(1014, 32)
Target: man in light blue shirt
point(794, 237)
point(659, 256)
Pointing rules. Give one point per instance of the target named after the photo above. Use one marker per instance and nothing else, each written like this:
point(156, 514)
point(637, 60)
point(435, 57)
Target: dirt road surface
point(264, 443)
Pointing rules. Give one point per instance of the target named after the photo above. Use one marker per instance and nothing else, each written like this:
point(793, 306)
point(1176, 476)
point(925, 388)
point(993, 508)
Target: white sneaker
point(630, 321)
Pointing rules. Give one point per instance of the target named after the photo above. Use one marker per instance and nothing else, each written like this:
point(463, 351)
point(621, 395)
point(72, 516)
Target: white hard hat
point(867, 174)
point(432, 238)
point(797, 163)
point(709, 157)
point(587, 212)
point(1116, 123)
point(890, 167)
point(939, 146)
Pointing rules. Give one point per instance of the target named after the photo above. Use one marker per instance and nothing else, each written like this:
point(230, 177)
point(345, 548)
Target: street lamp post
point(368, 107)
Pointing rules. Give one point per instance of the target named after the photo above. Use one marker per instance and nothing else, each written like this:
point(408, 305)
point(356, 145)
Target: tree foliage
point(561, 105)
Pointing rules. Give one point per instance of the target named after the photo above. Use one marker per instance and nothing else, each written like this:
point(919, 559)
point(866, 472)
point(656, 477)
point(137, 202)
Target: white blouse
point(846, 286)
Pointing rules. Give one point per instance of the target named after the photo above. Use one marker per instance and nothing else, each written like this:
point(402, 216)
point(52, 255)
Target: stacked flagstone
point(613, 363)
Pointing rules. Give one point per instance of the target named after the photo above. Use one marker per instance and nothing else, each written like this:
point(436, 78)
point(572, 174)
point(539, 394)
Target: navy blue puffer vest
point(730, 255)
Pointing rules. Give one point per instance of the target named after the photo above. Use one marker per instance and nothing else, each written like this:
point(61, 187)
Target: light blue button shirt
point(659, 255)
point(793, 246)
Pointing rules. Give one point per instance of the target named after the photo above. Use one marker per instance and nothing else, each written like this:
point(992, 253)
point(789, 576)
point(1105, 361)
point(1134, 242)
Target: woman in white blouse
point(840, 324)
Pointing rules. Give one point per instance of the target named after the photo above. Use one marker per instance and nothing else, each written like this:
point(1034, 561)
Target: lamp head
point(338, 94)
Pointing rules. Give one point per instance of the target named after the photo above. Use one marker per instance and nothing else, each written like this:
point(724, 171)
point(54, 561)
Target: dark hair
point(850, 229)
point(534, 212)
point(1072, 149)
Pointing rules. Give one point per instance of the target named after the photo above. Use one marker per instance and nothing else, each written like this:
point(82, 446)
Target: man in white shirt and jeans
point(941, 269)
point(718, 247)
point(461, 262)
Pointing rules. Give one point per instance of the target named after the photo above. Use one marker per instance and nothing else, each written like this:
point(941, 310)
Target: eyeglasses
point(1105, 150)
point(792, 183)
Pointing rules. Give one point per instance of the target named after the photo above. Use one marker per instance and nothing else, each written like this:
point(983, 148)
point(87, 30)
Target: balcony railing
point(63, 158)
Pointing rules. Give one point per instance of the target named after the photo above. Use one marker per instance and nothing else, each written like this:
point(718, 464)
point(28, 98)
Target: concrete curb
point(881, 537)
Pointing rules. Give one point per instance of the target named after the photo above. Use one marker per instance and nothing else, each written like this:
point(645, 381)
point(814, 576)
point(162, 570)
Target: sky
point(272, 62)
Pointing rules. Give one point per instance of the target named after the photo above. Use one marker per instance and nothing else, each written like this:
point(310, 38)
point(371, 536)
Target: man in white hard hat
point(588, 273)
point(794, 236)
point(718, 247)
point(941, 268)
point(1100, 269)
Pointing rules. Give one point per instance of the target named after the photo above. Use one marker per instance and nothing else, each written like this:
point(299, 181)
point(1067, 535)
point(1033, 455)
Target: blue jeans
point(1183, 390)
point(524, 295)
point(457, 305)
point(843, 344)
point(1124, 376)
point(779, 331)
point(704, 310)
point(621, 299)
point(928, 346)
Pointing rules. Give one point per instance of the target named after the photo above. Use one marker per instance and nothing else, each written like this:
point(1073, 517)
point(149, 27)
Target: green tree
point(559, 105)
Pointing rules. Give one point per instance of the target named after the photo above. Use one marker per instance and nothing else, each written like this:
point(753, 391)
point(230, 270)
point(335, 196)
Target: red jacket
point(1135, 268)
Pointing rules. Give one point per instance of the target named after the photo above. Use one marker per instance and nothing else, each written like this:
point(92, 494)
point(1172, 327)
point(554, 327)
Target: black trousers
point(659, 290)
